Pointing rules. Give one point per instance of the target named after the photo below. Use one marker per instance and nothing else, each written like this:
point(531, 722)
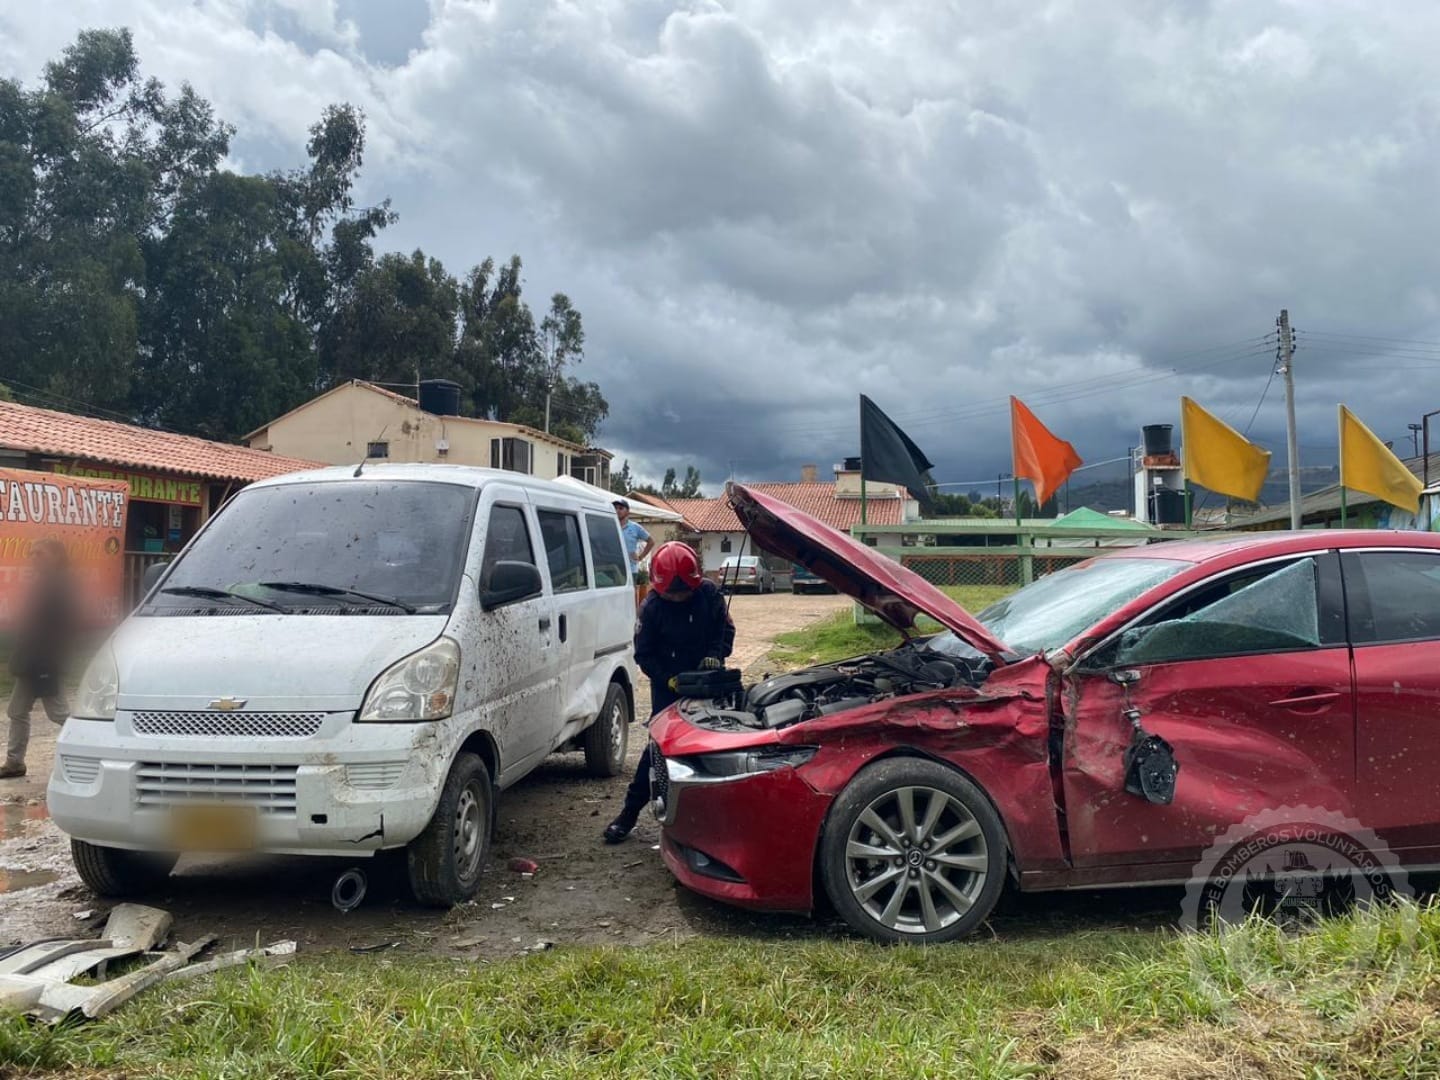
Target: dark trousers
point(638, 793)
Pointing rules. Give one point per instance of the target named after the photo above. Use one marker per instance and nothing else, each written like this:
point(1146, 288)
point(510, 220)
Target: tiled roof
point(42, 431)
point(817, 500)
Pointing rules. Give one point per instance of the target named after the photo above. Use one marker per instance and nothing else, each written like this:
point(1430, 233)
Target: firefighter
point(684, 626)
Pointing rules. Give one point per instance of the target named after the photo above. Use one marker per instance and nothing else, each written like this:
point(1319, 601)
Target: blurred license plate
point(213, 828)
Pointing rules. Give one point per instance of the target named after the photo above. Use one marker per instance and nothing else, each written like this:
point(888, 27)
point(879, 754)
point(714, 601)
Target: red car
point(1099, 727)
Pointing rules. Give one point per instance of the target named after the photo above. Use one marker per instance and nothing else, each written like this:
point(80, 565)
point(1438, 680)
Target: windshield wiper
point(316, 589)
point(221, 594)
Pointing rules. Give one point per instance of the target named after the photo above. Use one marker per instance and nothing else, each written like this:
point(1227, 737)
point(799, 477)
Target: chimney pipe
point(807, 474)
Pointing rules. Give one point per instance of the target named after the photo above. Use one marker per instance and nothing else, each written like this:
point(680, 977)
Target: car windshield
point(1059, 607)
point(381, 547)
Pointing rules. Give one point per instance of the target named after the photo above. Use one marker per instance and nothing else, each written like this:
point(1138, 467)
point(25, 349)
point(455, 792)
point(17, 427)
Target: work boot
point(621, 827)
point(11, 769)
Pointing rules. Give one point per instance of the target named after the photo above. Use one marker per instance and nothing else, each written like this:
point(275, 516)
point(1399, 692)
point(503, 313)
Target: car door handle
point(544, 622)
point(1307, 699)
point(563, 629)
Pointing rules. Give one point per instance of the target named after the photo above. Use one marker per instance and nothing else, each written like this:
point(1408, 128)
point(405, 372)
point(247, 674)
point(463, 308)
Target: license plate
point(213, 828)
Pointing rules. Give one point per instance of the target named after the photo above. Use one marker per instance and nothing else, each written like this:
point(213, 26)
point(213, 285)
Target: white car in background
point(747, 572)
point(349, 661)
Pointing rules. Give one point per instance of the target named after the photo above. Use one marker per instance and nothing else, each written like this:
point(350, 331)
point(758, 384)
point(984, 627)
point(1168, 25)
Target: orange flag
point(1038, 455)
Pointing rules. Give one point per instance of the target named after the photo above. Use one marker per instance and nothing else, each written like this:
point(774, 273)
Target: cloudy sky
point(765, 207)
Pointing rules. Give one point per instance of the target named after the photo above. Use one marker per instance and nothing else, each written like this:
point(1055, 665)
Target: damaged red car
point(1099, 727)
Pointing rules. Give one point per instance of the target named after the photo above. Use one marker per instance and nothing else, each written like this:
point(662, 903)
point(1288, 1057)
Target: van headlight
point(419, 687)
point(95, 700)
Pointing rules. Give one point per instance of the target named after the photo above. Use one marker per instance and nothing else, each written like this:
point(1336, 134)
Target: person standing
point(43, 640)
point(637, 540)
point(684, 626)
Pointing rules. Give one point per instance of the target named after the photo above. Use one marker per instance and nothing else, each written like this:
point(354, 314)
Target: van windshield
point(348, 547)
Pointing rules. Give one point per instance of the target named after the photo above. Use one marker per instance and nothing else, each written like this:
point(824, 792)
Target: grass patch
point(1355, 998)
point(838, 637)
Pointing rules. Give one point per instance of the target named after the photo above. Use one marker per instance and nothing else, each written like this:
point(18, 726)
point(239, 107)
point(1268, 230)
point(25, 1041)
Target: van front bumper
point(348, 789)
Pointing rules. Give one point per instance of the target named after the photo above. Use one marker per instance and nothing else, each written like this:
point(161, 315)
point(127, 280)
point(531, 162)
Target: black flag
point(888, 455)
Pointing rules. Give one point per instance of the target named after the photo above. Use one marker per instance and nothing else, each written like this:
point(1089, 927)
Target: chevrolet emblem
point(228, 704)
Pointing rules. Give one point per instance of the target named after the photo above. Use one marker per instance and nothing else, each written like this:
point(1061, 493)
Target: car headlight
point(734, 764)
point(419, 687)
point(99, 688)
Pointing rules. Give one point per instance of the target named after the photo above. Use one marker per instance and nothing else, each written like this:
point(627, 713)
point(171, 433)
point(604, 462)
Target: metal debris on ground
point(35, 978)
point(381, 947)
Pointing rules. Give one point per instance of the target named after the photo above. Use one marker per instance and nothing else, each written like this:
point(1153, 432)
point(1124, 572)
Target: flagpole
point(1340, 417)
point(1343, 515)
point(1018, 520)
point(1189, 506)
point(864, 516)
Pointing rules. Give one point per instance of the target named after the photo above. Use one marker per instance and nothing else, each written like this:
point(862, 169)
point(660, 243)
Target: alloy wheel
point(916, 860)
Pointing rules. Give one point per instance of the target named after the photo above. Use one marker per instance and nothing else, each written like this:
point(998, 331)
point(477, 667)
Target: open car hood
point(892, 592)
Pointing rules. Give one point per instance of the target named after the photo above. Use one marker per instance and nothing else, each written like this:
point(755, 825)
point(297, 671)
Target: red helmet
point(675, 562)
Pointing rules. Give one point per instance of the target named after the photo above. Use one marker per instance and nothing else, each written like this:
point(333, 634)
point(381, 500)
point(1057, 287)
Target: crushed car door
point(1393, 599)
point(1246, 676)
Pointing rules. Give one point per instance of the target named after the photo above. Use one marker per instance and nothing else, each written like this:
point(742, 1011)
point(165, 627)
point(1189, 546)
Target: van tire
point(608, 738)
point(446, 860)
point(116, 872)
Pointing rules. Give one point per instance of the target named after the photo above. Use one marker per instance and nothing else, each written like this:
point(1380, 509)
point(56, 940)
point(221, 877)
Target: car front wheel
point(913, 852)
point(446, 859)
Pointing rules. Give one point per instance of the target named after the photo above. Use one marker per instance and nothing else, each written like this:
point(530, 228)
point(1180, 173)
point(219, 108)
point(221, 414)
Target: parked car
point(343, 662)
point(747, 572)
point(803, 579)
point(1285, 670)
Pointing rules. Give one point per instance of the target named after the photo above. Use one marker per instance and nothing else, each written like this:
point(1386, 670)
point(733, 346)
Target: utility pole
point(1415, 437)
point(1286, 355)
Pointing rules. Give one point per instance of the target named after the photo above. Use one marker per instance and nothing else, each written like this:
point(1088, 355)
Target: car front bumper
point(748, 841)
point(348, 789)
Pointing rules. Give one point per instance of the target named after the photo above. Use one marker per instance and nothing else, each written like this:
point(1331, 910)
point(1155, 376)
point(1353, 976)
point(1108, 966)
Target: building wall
point(848, 484)
point(339, 427)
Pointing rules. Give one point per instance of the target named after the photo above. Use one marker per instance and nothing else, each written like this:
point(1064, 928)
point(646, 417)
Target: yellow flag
point(1218, 457)
point(1366, 464)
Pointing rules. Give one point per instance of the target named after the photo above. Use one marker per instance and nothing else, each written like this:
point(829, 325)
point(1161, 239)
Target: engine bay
point(782, 700)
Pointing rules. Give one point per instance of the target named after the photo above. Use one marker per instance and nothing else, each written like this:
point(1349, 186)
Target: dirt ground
point(585, 892)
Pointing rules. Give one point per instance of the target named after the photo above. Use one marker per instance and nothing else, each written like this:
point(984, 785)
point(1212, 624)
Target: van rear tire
point(115, 873)
point(608, 738)
point(446, 860)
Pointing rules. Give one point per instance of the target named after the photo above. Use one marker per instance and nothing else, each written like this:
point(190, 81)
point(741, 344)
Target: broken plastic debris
point(542, 946)
point(82, 915)
point(524, 866)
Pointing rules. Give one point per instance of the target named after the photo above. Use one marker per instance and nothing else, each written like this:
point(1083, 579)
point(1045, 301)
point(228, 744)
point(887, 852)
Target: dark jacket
point(45, 632)
point(674, 637)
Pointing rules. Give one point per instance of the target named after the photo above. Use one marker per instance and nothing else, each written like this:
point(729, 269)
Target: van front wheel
point(117, 872)
point(607, 739)
point(446, 859)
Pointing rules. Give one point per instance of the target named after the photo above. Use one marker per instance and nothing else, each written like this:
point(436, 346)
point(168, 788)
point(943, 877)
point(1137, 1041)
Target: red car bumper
point(748, 841)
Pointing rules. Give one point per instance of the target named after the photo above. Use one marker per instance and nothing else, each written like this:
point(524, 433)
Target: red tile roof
point(817, 500)
point(42, 431)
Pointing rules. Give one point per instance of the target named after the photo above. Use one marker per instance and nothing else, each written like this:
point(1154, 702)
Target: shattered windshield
point(1057, 608)
point(350, 545)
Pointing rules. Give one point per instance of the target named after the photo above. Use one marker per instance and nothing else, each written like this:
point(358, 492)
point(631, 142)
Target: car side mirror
point(510, 582)
point(153, 573)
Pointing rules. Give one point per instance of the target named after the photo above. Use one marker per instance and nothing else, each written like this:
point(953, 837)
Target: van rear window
point(356, 547)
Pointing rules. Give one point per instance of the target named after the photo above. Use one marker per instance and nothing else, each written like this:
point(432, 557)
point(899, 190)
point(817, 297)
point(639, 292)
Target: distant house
point(359, 421)
point(715, 531)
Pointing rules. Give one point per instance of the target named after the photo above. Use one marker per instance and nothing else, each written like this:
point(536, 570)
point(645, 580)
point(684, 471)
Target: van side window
point(564, 550)
point(605, 549)
point(507, 539)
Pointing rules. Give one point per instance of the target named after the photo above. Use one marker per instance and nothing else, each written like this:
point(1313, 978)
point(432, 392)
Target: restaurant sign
point(146, 487)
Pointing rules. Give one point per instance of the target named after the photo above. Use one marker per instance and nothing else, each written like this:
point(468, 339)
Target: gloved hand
point(674, 684)
point(710, 663)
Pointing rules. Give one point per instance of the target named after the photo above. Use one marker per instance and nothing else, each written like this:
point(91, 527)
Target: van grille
point(79, 770)
point(270, 788)
point(218, 725)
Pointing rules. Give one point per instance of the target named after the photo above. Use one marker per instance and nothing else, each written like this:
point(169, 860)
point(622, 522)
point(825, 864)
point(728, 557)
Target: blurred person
point(684, 626)
point(44, 639)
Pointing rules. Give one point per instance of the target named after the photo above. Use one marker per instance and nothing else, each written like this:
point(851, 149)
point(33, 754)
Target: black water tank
point(440, 397)
point(852, 464)
point(1169, 507)
point(1157, 439)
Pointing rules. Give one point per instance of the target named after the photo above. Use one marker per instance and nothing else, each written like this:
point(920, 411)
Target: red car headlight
point(737, 764)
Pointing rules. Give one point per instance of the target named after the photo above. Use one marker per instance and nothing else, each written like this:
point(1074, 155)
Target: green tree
point(689, 488)
point(622, 482)
point(396, 323)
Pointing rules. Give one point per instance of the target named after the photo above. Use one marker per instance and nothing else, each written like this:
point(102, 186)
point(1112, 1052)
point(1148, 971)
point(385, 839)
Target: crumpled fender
point(998, 735)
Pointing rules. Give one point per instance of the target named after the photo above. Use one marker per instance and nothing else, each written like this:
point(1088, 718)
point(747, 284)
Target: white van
point(347, 661)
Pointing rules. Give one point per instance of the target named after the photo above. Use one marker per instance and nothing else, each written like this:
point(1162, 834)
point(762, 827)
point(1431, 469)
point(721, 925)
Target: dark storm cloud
point(766, 208)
